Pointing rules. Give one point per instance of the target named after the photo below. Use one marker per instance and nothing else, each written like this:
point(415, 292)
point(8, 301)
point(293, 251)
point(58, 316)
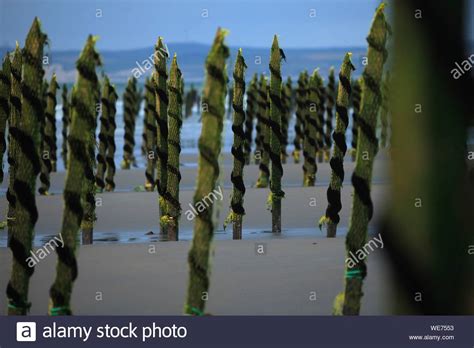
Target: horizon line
point(8, 46)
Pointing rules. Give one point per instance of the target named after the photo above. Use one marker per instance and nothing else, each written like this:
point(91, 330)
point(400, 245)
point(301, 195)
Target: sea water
point(190, 133)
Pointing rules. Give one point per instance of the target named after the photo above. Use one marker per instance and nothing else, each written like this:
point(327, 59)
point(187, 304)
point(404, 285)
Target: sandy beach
point(382, 128)
point(128, 212)
point(134, 273)
point(132, 280)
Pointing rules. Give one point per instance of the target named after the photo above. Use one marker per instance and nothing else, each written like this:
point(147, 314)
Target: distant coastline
point(191, 56)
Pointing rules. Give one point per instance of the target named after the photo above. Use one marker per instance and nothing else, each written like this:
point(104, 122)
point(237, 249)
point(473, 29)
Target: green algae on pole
point(331, 218)
point(160, 76)
point(89, 187)
point(49, 137)
point(309, 134)
point(45, 166)
point(384, 110)
point(110, 156)
point(427, 248)
point(189, 102)
point(143, 147)
point(150, 135)
point(28, 166)
point(52, 124)
point(13, 141)
point(138, 97)
point(264, 113)
point(82, 133)
point(320, 123)
point(250, 115)
point(260, 110)
point(300, 112)
point(330, 96)
point(104, 128)
point(285, 119)
point(276, 112)
point(356, 95)
point(362, 208)
point(230, 97)
point(238, 186)
point(213, 100)
point(129, 107)
point(65, 120)
point(5, 89)
point(175, 121)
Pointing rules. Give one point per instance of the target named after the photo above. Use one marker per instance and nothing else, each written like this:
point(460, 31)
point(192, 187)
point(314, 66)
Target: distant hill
point(119, 64)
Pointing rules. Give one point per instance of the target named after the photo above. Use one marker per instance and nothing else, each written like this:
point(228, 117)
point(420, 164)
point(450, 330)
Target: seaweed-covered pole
point(384, 110)
point(321, 108)
point(82, 132)
point(190, 100)
point(65, 120)
point(5, 86)
point(129, 107)
point(362, 207)
point(89, 188)
point(356, 95)
point(330, 97)
point(238, 188)
point(49, 137)
point(276, 112)
point(13, 141)
point(310, 126)
point(261, 107)
point(150, 135)
point(143, 147)
point(104, 128)
point(264, 113)
point(51, 123)
point(331, 218)
point(300, 112)
point(250, 113)
point(285, 118)
point(160, 77)
point(208, 172)
point(110, 156)
point(429, 244)
point(230, 97)
point(44, 156)
point(27, 134)
point(175, 120)
point(138, 97)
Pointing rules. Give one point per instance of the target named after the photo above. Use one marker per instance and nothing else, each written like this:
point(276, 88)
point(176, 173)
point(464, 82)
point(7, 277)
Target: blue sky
point(137, 23)
point(128, 24)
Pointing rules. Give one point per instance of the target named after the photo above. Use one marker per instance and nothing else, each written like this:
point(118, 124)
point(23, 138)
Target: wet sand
point(134, 281)
point(126, 211)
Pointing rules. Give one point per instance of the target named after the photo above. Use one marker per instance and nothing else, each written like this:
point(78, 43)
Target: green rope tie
point(194, 311)
point(354, 273)
point(20, 306)
point(56, 311)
